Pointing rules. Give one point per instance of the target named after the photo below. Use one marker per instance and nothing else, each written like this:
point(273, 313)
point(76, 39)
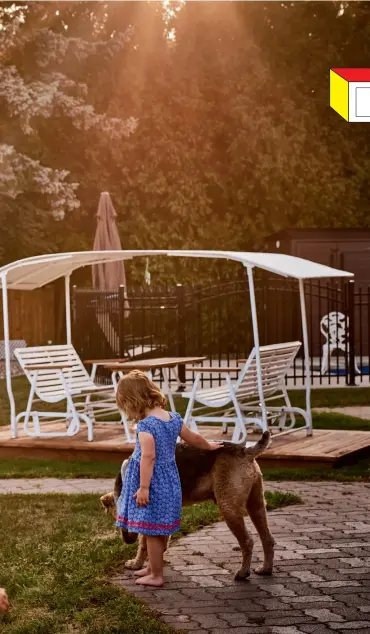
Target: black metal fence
point(215, 321)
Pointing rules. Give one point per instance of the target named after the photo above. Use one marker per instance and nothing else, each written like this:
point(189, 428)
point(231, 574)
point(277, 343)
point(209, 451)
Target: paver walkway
point(54, 485)
point(322, 575)
point(358, 411)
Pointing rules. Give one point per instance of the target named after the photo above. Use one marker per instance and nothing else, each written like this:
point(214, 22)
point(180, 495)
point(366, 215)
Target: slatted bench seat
point(238, 403)
point(56, 374)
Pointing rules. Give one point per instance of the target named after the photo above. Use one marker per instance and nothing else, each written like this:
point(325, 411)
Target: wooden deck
point(324, 448)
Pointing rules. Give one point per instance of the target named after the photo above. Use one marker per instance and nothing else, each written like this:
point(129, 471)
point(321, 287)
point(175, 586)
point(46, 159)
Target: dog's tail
point(108, 501)
point(118, 485)
point(259, 447)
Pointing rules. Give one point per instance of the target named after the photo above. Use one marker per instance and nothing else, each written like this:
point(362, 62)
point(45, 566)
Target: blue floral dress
point(163, 513)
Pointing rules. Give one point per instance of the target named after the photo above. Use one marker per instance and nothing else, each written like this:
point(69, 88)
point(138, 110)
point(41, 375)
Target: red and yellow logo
point(350, 93)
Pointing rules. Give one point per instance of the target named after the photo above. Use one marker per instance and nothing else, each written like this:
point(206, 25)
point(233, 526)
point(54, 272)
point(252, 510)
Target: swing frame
point(36, 272)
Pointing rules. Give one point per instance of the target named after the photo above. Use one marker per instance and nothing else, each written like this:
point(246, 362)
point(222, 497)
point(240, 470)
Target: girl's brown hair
point(136, 394)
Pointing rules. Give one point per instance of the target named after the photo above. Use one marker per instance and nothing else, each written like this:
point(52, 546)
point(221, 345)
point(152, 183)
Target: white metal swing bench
point(56, 373)
point(238, 403)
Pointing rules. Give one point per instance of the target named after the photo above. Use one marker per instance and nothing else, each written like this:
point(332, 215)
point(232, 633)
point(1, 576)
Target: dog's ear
point(107, 501)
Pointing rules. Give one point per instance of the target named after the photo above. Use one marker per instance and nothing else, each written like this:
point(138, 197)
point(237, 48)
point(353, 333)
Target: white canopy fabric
point(38, 271)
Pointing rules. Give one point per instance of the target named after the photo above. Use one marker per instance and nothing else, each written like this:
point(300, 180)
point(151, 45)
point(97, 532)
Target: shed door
point(317, 251)
point(358, 262)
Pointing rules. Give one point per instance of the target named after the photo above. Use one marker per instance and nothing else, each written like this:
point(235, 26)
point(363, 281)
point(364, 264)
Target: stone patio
point(322, 576)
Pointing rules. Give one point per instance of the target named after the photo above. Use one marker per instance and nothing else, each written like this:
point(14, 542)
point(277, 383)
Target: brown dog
point(232, 479)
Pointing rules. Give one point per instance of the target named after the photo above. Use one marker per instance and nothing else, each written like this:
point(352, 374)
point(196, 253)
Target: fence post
point(181, 339)
point(121, 320)
point(351, 333)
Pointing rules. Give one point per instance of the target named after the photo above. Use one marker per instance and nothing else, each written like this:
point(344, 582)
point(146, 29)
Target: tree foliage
point(42, 89)
point(209, 123)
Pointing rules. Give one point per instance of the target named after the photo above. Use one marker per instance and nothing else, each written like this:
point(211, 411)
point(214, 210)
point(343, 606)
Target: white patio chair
point(242, 395)
point(334, 327)
point(57, 374)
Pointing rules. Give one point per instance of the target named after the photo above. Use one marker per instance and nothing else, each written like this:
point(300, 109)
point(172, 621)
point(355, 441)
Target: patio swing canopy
point(35, 272)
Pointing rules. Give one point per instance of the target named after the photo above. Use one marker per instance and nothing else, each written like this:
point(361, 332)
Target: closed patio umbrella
point(111, 275)
point(107, 277)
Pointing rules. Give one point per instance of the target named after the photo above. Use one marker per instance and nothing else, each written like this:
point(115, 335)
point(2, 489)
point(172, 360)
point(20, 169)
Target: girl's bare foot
point(150, 580)
point(144, 572)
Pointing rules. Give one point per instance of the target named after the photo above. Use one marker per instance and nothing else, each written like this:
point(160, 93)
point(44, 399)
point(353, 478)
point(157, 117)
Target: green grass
point(332, 397)
point(350, 473)
point(21, 389)
point(279, 499)
point(29, 468)
point(334, 420)
point(34, 468)
point(56, 554)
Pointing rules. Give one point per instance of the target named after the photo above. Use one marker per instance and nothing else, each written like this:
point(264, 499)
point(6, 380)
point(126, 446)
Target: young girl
point(151, 499)
point(4, 603)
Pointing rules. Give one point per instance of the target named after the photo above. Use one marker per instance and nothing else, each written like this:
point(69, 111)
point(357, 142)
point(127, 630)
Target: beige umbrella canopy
point(112, 275)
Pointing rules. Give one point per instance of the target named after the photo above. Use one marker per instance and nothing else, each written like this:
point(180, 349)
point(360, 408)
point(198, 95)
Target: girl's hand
point(215, 445)
point(4, 603)
point(142, 496)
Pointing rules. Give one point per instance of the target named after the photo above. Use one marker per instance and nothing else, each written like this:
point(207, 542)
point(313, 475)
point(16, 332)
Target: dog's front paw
point(133, 564)
point(242, 575)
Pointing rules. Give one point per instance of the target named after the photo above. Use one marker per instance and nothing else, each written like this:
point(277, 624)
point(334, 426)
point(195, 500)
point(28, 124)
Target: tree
point(42, 89)
point(311, 38)
point(226, 145)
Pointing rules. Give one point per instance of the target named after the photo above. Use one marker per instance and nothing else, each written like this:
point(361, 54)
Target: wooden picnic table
point(148, 365)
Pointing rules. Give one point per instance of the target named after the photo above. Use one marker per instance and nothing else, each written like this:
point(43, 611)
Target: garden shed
point(346, 249)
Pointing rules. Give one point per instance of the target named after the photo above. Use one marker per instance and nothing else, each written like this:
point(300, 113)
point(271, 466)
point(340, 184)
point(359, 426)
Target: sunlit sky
point(170, 9)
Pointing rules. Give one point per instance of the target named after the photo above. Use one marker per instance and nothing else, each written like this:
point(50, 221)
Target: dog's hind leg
point(257, 512)
point(141, 555)
point(232, 512)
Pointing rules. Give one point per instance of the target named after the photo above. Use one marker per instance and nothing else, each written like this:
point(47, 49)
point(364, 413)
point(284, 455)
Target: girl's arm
point(196, 440)
point(147, 445)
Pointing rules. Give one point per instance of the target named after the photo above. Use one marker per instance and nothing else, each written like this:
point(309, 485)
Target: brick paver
point(322, 574)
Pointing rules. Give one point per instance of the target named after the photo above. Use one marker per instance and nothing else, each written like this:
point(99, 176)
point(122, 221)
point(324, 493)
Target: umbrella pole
point(67, 285)
point(8, 371)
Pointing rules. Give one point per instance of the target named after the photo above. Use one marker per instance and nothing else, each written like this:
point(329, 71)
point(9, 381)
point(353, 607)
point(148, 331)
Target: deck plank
point(325, 447)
